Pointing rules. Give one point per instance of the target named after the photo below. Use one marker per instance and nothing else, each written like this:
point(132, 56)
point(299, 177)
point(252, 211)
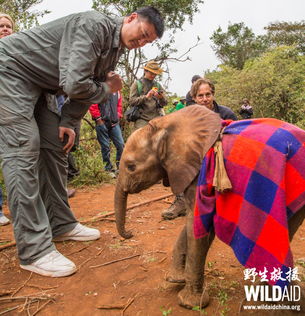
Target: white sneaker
point(54, 264)
point(71, 192)
point(80, 233)
point(4, 220)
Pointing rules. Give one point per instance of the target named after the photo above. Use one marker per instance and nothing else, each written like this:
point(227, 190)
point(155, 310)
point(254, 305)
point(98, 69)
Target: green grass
point(166, 312)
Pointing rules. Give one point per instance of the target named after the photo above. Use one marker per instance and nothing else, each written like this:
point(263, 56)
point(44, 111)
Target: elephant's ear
point(190, 133)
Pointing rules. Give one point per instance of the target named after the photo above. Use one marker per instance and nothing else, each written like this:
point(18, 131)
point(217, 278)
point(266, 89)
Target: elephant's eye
point(131, 167)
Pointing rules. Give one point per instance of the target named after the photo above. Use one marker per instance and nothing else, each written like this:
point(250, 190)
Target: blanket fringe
point(221, 181)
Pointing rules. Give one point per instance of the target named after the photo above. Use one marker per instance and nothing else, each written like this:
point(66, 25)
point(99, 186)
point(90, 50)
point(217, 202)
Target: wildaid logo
point(276, 293)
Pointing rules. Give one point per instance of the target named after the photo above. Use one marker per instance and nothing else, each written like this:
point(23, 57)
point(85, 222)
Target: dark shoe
point(111, 174)
point(71, 192)
point(176, 209)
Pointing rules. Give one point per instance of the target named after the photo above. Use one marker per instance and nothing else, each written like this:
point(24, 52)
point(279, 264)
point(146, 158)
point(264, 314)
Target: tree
point(273, 82)
point(287, 33)
point(175, 12)
point(237, 45)
point(20, 12)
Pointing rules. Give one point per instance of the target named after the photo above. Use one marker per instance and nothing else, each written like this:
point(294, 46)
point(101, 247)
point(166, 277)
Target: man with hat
point(148, 95)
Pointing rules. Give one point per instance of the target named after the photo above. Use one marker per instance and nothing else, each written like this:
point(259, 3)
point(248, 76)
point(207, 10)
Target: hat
point(195, 78)
point(153, 67)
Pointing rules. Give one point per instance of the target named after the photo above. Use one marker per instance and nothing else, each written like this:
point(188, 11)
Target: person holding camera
point(148, 95)
point(246, 110)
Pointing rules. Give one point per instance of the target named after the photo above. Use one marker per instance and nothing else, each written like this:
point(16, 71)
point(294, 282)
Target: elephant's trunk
point(120, 202)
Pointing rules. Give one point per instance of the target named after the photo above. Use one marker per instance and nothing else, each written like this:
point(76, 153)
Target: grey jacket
point(72, 54)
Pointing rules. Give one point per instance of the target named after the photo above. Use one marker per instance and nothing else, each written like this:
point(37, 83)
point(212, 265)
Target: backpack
point(132, 114)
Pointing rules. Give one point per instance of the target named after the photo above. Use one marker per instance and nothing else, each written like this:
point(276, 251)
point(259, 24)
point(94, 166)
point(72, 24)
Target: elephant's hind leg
point(293, 225)
point(295, 222)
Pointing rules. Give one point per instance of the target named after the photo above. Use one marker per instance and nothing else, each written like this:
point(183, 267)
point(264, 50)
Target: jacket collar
point(117, 34)
point(215, 107)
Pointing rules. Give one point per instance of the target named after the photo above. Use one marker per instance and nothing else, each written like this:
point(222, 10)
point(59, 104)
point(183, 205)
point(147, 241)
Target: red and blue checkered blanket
point(265, 161)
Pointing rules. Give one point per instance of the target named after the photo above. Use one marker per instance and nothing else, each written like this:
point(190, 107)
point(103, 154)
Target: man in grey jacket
point(75, 55)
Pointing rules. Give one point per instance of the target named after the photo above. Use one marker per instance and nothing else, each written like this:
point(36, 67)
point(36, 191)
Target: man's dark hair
point(153, 16)
point(195, 77)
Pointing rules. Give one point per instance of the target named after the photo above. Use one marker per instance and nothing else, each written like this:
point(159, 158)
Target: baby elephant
point(263, 160)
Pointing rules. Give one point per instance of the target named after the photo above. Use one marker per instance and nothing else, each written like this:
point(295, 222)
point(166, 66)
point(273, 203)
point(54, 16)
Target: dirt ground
point(136, 284)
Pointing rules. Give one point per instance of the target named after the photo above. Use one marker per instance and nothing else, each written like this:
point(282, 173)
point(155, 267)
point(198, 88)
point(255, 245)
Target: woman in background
point(6, 25)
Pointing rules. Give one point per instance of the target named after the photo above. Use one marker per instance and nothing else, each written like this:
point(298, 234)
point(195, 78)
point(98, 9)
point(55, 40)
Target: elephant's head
point(170, 148)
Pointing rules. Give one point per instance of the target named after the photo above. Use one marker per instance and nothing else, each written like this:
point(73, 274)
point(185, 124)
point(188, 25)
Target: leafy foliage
point(237, 44)
point(166, 312)
point(273, 82)
point(21, 12)
point(287, 33)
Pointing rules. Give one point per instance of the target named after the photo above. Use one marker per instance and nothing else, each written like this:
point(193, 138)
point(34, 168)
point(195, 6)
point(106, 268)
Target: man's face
point(6, 27)
point(205, 96)
point(137, 32)
point(149, 75)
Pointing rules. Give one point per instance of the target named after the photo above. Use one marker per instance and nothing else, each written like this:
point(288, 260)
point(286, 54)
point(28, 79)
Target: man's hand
point(160, 94)
point(152, 93)
point(114, 81)
point(71, 137)
point(99, 122)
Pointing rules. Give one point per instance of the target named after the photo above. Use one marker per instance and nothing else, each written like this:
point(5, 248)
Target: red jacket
point(95, 111)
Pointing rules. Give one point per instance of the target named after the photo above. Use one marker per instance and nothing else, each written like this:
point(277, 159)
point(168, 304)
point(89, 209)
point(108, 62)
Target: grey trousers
point(34, 172)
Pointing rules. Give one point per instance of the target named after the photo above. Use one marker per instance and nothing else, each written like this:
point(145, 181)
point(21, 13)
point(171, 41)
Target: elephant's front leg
point(176, 273)
point(197, 250)
point(192, 294)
